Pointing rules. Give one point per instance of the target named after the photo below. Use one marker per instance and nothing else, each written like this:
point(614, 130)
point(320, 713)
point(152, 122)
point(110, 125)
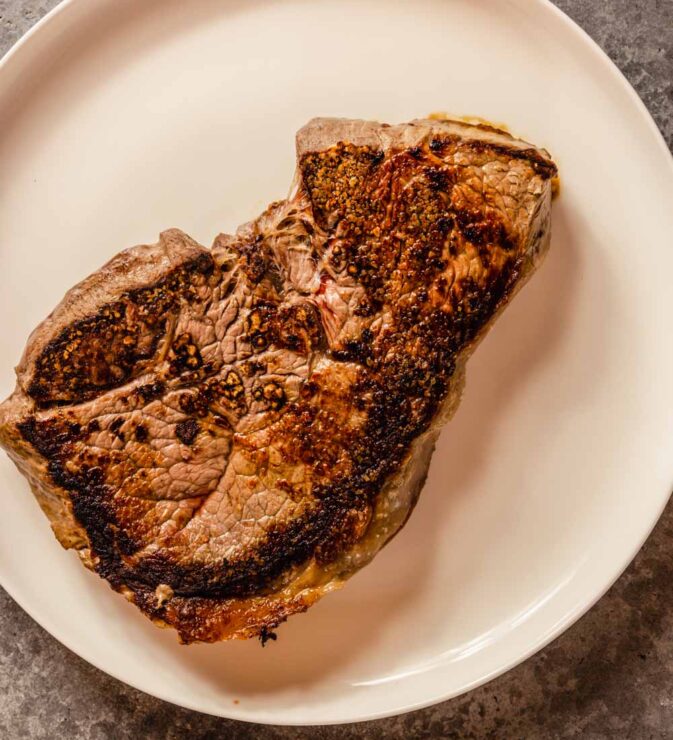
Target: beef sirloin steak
point(226, 435)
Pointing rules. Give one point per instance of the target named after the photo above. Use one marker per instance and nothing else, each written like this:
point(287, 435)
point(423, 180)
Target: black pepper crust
point(397, 225)
point(107, 350)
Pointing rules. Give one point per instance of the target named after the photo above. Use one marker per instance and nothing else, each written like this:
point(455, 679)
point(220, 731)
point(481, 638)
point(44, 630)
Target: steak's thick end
point(227, 435)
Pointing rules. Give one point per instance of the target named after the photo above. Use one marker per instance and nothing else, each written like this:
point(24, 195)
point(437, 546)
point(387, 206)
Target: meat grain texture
point(227, 435)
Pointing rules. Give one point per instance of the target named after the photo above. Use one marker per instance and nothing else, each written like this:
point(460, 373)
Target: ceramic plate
point(119, 119)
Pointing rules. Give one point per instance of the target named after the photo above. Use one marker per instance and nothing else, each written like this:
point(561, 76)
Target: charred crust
point(252, 367)
point(232, 387)
point(115, 427)
point(376, 157)
point(194, 403)
point(356, 350)
point(483, 228)
point(271, 394)
point(367, 306)
point(187, 431)
point(228, 390)
point(439, 179)
point(259, 325)
point(298, 328)
point(257, 260)
point(184, 355)
point(285, 546)
point(141, 433)
point(437, 146)
point(308, 389)
point(88, 493)
point(337, 256)
point(151, 391)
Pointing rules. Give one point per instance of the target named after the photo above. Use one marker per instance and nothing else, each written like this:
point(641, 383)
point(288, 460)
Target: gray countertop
point(609, 676)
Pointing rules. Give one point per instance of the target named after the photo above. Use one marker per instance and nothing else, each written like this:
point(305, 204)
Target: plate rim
point(22, 47)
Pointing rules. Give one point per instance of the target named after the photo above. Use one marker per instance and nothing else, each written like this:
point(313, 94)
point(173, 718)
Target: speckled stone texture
point(610, 676)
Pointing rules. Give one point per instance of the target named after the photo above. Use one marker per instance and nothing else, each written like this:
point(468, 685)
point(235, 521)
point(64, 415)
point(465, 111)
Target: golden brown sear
point(227, 435)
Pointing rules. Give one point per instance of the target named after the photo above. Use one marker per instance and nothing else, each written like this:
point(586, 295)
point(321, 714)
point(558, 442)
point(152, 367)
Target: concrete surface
point(610, 676)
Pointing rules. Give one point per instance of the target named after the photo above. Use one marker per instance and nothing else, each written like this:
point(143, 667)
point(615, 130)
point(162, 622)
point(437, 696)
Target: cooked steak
point(227, 435)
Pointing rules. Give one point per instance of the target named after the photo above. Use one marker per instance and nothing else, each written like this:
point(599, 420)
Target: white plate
point(121, 118)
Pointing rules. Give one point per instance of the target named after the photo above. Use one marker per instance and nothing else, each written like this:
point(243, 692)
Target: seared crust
point(226, 436)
